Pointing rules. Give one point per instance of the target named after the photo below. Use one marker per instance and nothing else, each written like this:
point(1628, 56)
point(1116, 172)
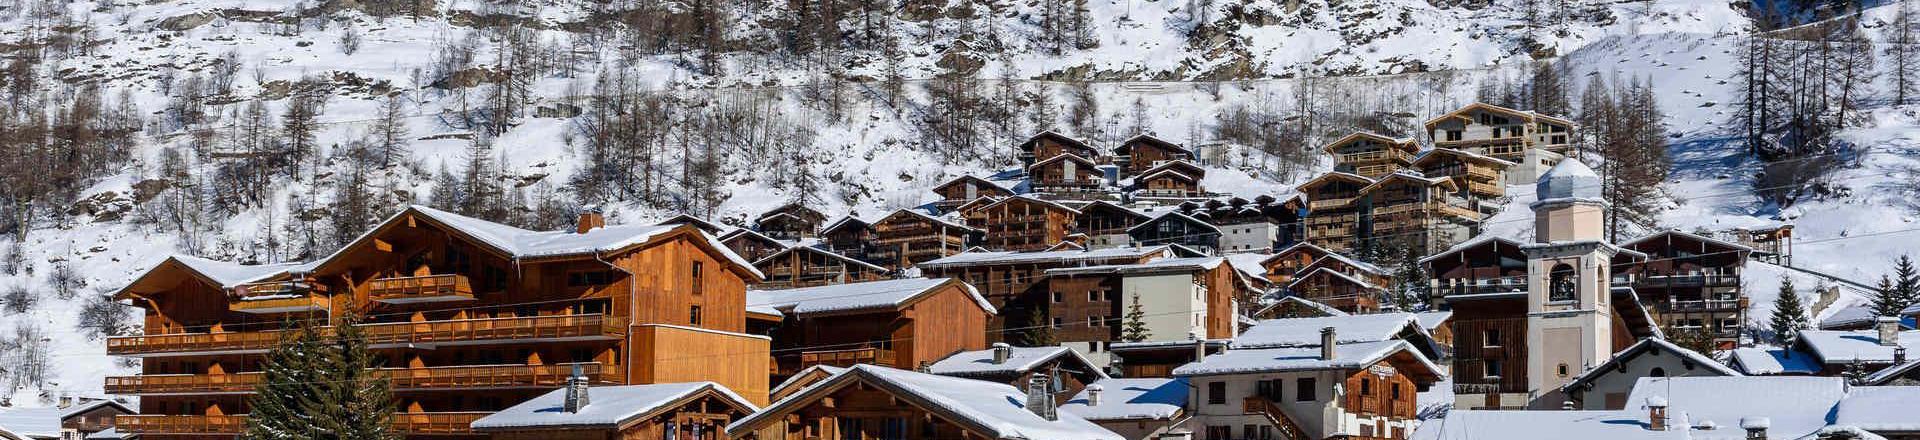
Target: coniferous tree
point(355, 399)
point(1039, 329)
point(1135, 327)
point(287, 387)
point(1887, 299)
point(1789, 316)
point(1906, 280)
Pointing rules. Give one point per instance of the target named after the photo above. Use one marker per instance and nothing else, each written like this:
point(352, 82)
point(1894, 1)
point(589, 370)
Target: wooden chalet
point(1106, 223)
point(908, 237)
point(1015, 282)
point(1692, 282)
point(1296, 307)
point(871, 402)
point(1347, 292)
point(807, 266)
point(1088, 303)
point(1048, 144)
point(1354, 390)
point(1771, 244)
point(792, 221)
point(1282, 265)
point(1333, 218)
point(1176, 228)
point(1500, 132)
point(1159, 358)
point(688, 219)
point(1025, 223)
point(966, 188)
point(904, 323)
point(974, 213)
point(1473, 174)
point(751, 244)
point(1413, 212)
point(1067, 370)
point(851, 237)
point(1371, 155)
point(687, 410)
point(1143, 152)
point(1067, 176)
point(1171, 179)
point(90, 416)
point(470, 316)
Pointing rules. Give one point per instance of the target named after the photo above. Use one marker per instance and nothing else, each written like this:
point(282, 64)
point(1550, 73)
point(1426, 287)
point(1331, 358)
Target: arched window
point(1564, 283)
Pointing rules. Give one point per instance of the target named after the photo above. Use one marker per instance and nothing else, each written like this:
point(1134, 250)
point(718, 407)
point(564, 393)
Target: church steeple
point(1569, 318)
point(1570, 206)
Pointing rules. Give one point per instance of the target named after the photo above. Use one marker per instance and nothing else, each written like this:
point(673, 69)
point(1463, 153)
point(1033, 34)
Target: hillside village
point(1096, 292)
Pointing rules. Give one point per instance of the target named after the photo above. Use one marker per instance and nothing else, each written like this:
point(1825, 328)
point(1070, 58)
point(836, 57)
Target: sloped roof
point(1175, 215)
point(1193, 170)
point(755, 235)
point(1689, 235)
point(972, 178)
point(1301, 332)
point(1130, 399)
point(1335, 256)
point(222, 274)
point(684, 218)
point(844, 221)
point(1468, 155)
point(1408, 175)
point(923, 216)
point(1347, 356)
point(607, 407)
point(1643, 347)
point(1050, 134)
point(851, 297)
point(1843, 347)
point(1126, 146)
point(829, 254)
point(1363, 180)
point(971, 257)
point(979, 363)
point(91, 405)
point(1562, 425)
point(1483, 239)
point(1495, 109)
point(1161, 265)
point(1301, 278)
point(37, 423)
point(519, 243)
point(1880, 409)
point(1303, 246)
point(1032, 199)
point(1888, 374)
point(991, 408)
point(1401, 143)
point(796, 378)
point(1433, 320)
point(1060, 157)
point(1795, 406)
point(1297, 300)
point(1774, 361)
point(1168, 173)
point(1249, 263)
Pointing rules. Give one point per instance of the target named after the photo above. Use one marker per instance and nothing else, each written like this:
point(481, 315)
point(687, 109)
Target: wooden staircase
point(1288, 429)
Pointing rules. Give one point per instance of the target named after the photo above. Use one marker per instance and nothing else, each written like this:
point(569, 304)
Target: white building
point(1365, 389)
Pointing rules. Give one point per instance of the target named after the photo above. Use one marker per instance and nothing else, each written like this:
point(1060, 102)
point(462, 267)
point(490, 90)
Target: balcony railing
point(1688, 280)
point(1482, 286)
point(156, 384)
point(1329, 203)
point(420, 289)
point(436, 422)
point(1476, 388)
point(462, 376)
point(410, 423)
point(278, 297)
point(463, 331)
point(1707, 305)
point(847, 358)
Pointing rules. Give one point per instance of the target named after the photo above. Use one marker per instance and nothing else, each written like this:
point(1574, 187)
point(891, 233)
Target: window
point(693, 315)
point(1366, 386)
point(1561, 369)
point(1057, 297)
point(589, 278)
point(1219, 433)
point(893, 428)
point(1057, 322)
point(1564, 284)
point(849, 428)
point(697, 284)
point(1303, 389)
point(1493, 369)
point(1396, 391)
point(1658, 372)
point(1490, 338)
point(1093, 321)
point(1270, 389)
point(1216, 393)
point(670, 431)
point(1249, 431)
point(1454, 135)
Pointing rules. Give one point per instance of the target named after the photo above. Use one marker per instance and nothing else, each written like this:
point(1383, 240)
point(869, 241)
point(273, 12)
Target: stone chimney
point(1199, 346)
point(1756, 427)
point(1657, 413)
point(1040, 397)
point(1327, 341)
point(1001, 351)
point(590, 218)
point(576, 391)
point(66, 401)
point(1889, 327)
point(1899, 354)
point(1093, 394)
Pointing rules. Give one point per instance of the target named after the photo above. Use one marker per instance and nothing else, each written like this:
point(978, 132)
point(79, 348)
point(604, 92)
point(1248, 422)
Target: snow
point(1316, 305)
point(1300, 278)
point(997, 408)
point(1433, 320)
point(979, 363)
point(802, 375)
point(1347, 356)
point(40, 422)
point(1174, 264)
point(1880, 409)
point(1248, 263)
point(607, 406)
point(229, 274)
point(1300, 332)
point(1888, 374)
point(521, 243)
point(1644, 346)
point(1130, 399)
point(839, 298)
point(1796, 406)
point(1844, 347)
point(829, 254)
point(1357, 264)
point(1772, 361)
point(971, 258)
point(1564, 425)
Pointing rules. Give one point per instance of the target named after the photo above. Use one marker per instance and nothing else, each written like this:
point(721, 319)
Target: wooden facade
point(1348, 293)
point(1013, 285)
point(1371, 155)
point(966, 188)
point(702, 415)
point(1048, 144)
point(878, 403)
point(1084, 307)
point(792, 221)
point(1106, 223)
point(1500, 132)
point(850, 237)
point(447, 300)
point(935, 322)
point(907, 237)
point(1691, 283)
point(1180, 229)
point(1473, 175)
point(806, 266)
point(1283, 265)
point(1066, 176)
point(1144, 152)
point(1333, 219)
point(751, 244)
point(1024, 223)
point(1418, 214)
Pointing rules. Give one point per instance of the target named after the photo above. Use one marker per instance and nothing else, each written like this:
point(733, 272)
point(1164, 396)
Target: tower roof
point(1569, 180)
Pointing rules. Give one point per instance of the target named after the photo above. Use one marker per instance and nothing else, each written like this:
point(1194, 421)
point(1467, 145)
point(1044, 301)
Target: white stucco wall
point(1174, 304)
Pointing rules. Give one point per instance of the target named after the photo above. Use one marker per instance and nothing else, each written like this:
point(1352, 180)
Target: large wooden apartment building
point(1371, 155)
point(469, 316)
point(908, 237)
point(905, 323)
point(1023, 223)
point(1015, 282)
point(1531, 140)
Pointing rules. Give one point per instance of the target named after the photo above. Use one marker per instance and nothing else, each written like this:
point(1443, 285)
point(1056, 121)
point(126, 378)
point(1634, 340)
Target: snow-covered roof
point(1774, 361)
point(921, 215)
point(1796, 406)
point(991, 408)
point(1642, 347)
point(230, 274)
point(1060, 157)
point(1296, 300)
point(972, 257)
point(1249, 263)
point(1689, 235)
point(1168, 173)
point(108, 434)
point(90, 405)
point(1476, 241)
point(1888, 374)
point(1174, 215)
point(1130, 399)
point(796, 378)
point(608, 406)
point(840, 298)
point(1160, 265)
point(1301, 278)
point(1858, 315)
point(1412, 175)
point(1563, 425)
point(827, 253)
point(1301, 332)
point(1843, 347)
point(1357, 264)
point(1568, 180)
point(844, 220)
point(1347, 356)
point(520, 243)
point(1880, 409)
point(979, 363)
point(1433, 320)
point(37, 423)
point(1032, 199)
point(1460, 152)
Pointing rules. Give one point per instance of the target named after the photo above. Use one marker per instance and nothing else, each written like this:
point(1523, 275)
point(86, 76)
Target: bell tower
point(1569, 318)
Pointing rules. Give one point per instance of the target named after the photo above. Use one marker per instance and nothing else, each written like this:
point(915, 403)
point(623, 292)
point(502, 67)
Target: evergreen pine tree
point(1906, 280)
point(1887, 300)
point(355, 400)
point(1135, 327)
point(287, 387)
point(1789, 317)
point(1040, 329)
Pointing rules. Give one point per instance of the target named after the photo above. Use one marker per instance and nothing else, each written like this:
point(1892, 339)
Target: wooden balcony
point(420, 289)
point(1317, 205)
point(409, 423)
point(1395, 155)
point(1275, 416)
point(847, 358)
point(553, 328)
point(174, 384)
point(1486, 189)
point(1482, 173)
point(461, 377)
point(278, 297)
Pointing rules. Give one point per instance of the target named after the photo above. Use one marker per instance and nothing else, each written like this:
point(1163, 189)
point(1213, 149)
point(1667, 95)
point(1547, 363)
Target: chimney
point(1756, 427)
point(1093, 394)
point(67, 401)
point(576, 391)
point(1899, 354)
point(1040, 397)
point(1001, 351)
point(1889, 330)
point(590, 217)
point(1326, 343)
point(1199, 346)
point(1657, 413)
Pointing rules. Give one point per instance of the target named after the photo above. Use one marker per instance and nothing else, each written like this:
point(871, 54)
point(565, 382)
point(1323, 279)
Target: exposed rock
point(469, 77)
point(556, 110)
point(186, 22)
point(103, 207)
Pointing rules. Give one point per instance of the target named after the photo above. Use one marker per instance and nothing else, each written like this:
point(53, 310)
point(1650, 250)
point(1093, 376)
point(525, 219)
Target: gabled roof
point(1880, 409)
point(857, 297)
point(1645, 346)
point(1185, 167)
point(1162, 265)
point(1169, 174)
point(1333, 175)
point(1050, 134)
point(1837, 347)
point(33, 423)
point(1031, 199)
point(845, 221)
point(1301, 278)
point(1400, 143)
point(975, 257)
point(1435, 153)
point(982, 201)
point(221, 274)
point(1303, 302)
point(794, 209)
point(1409, 176)
point(1347, 356)
point(518, 244)
point(1332, 257)
point(917, 215)
point(608, 407)
point(1629, 424)
point(1795, 406)
point(1063, 156)
point(1297, 247)
point(829, 254)
point(980, 183)
point(1460, 113)
point(1102, 205)
point(1175, 215)
point(1888, 374)
point(1760, 361)
point(1688, 235)
point(1127, 146)
point(1304, 332)
point(988, 408)
point(688, 219)
point(84, 407)
point(805, 378)
point(1481, 240)
point(979, 363)
point(1130, 399)
point(1433, 320)
point(750, 234)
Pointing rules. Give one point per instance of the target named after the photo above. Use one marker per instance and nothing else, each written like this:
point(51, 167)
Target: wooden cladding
point(410, 423)
point(418, 289)
point(475, 376)
point(463, 330)
point(848, 358)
